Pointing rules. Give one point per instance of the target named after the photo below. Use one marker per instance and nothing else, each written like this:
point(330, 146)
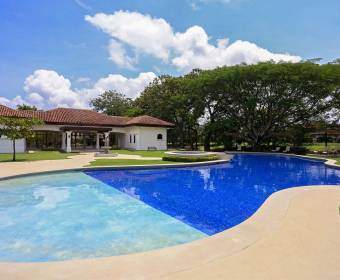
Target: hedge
point(190, 158)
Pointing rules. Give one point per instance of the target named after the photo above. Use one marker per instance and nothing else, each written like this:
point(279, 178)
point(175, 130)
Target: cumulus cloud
point(131, 87)
point(12, 102)
point(118, 55)
point(185, 50)
point(149, 35)
point(48, 89)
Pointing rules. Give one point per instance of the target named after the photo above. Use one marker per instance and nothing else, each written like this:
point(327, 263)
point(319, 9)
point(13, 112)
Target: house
point(332, 135)
point(77, 129)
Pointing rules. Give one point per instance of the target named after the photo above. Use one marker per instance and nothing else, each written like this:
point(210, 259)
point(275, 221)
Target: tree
point(26, 107)
point(17, 128)
point(254, 103)
point(112, 103)
point(267, 98)
point(167, 98)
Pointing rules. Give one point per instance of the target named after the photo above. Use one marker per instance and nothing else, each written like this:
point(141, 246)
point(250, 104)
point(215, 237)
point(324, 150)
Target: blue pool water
point(75, 215)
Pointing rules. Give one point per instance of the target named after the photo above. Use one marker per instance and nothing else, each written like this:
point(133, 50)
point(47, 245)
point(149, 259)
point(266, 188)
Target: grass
point(110, 162)
point(337, 160)
point(320, 147)
point(39, 155)
point(141, 153)
point(166, 160)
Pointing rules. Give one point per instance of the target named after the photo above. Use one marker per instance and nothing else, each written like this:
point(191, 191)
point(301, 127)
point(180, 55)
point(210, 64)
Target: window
point(130, 138)
point(134, 138)
point(159, 136)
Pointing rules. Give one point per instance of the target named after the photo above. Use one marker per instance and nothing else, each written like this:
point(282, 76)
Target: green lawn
point(337, 160)
point(39, 155)
point(110, 162)
point(320, 147)
point(141, 153)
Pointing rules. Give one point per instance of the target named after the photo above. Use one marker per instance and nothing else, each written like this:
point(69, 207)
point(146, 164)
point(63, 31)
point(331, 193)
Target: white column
point(63, 141)
point(68, 141)
point(107, 138)
point(97, 141)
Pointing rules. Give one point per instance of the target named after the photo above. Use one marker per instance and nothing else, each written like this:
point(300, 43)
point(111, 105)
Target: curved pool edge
point(270, 219)
point(225, 159)
point(328, 162)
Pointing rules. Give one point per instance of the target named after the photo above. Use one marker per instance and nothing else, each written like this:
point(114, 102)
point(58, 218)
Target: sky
point(65, 53)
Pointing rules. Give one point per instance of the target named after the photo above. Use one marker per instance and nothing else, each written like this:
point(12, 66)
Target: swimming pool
point(96, 213)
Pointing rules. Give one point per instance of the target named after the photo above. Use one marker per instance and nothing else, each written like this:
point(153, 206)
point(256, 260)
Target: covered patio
point(71, 139)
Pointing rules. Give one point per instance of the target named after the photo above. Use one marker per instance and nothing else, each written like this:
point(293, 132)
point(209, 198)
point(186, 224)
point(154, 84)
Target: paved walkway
point(76, 161)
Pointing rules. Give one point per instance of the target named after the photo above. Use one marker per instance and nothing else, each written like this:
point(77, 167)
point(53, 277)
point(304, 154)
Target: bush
point(190, 159)
point(49, 149)
point(299, 150)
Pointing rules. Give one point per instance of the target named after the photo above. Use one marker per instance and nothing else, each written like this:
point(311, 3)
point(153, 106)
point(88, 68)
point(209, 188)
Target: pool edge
point(267, 220)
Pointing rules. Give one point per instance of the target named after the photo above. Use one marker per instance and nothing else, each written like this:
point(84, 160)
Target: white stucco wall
point(6, 145)
point(145, 138)
point(148, 138)
point(132, 132)
point(48, 127)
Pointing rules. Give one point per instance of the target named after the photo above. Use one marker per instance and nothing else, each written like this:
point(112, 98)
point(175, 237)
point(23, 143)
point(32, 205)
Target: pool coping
point(154, 264)
point(123, 167)
point(268, 218)
point(328, 162)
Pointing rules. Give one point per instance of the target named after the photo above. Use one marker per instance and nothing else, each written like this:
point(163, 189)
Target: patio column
point(107, 138)
point(68, 141)
point(63, 141)
point(97, 141)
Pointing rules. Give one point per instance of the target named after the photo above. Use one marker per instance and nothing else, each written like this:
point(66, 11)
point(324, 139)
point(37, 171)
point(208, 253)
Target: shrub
point(190, 159)
point(49, 149)
point(299, 150)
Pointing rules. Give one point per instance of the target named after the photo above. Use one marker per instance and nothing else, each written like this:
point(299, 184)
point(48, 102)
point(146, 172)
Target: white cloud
point(83, 80)
point(118, 55)
point(149, 35)
point(12, 102)
point(131, 87)
point(53, 88)
point(83, 5)
point(195, 4)
point(48, 89)
point(185, 50)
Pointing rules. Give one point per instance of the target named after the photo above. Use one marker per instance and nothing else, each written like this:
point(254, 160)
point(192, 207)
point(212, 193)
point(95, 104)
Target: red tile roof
point(67, 116)
point(9, 112)
point(147, 120)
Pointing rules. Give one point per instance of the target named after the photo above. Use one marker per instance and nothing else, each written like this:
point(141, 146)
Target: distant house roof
point(68, 116)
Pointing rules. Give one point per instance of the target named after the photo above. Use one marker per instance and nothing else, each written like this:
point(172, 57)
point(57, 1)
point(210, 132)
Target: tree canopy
point(17, 128)
point(252, 103)
point(26, 107)
point(112, 103)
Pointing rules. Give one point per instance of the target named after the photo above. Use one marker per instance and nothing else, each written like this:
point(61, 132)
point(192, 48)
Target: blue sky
point(51, 55)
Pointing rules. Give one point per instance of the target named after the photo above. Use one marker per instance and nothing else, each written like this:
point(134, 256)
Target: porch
point(75, 139)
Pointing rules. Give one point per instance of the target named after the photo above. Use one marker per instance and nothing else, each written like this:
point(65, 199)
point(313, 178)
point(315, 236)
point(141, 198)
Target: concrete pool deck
point(294, 235)
point(8, 169)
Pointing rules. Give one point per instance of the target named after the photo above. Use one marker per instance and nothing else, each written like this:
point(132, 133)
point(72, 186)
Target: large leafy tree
point(17, 128)
point(264, 99)
point(166, 98)
point(112, 103)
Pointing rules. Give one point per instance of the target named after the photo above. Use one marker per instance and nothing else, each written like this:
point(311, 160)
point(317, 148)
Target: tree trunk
point(207, 140)
point(14, 158)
